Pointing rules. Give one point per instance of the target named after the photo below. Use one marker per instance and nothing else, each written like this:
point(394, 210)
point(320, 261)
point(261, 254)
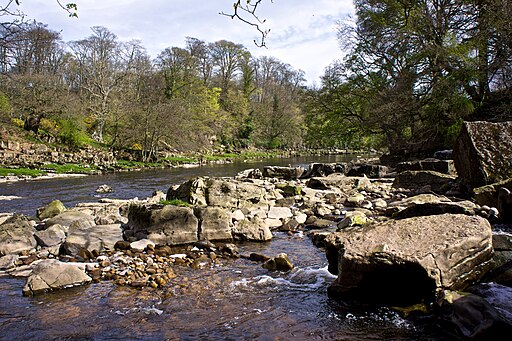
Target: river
point(238, 300)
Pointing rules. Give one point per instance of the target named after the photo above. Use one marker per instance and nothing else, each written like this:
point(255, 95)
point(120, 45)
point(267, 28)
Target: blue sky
point(302, 32)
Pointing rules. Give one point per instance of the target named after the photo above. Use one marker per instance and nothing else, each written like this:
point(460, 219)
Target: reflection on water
point(237, 301)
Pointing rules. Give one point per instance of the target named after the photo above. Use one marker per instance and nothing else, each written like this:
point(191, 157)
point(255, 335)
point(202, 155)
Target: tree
point(103, 62)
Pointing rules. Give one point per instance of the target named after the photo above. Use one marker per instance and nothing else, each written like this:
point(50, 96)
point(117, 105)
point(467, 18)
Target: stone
point(16, 235)
point(339, 181)
point(273, 223)
point(301, 218)
point(71, 217)
point(169, 225)
point(238, 215)
point(122, 245)
point(482, 153)
point(104, 189)
point(402, 262)
point(279, 212)
point(505, 205)
point(488, 194)
point(438, 182)
point(324, 169)
point(192, 191)
point(286, 173)
point(368, 170)
point(444, 154)
point(440, 166)
point(52, 236)
point(97, 237)
point(380, 204)
point(355, 200)
point(253, 229)
point(471, 317)
point(52, 274)
point(353, 218)
point(424, 209)
point(214, 224)
point(141, 245)
point(280, 262)
point(289, 190)
point(54, 208)
point(8, 262)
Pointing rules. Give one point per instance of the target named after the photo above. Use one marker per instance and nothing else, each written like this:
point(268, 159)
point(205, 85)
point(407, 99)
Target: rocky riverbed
point(416, 240)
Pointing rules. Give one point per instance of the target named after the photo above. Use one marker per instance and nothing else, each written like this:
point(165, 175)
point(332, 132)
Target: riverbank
point(12, 172)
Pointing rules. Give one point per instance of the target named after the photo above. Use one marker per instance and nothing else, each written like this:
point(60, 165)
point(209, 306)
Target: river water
point(237, 300)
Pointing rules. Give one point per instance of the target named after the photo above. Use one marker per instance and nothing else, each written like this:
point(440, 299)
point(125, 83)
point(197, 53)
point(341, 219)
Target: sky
point(302, 32)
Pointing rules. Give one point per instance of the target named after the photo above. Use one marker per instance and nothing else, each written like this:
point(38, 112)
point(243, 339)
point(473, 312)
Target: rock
point(279, 213)
point(16, 235)
point(230, 249)
point(444, 154)
point(402, 262)
point(8, 262)
point(425, 209)
point(286, 173)
point(505, 205)
point(290, 225)
point(438, 182)
point(353, 218)
point(122, 245)
point(301, 218)
point(71, 217)
point(141, 245)
point(289, 190)
point(253, 229)
point(97, 237)
point(104, 189)
point(339, 181)
point(225, 193)
point(488, 195)
point(355, 200)
point(440, 166)
point(52, 274)
point(380, 204)
point(483, 151)
point(368, 170)
point(324, 169)
point(281, 262)
point(471, 317)
point(214, 224)
point(54, 208)
point(238, 215)
point(170, 225)
point(52, 236)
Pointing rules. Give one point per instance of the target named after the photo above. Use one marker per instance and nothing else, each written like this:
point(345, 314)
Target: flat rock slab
point(52, 274)
point(403, 262)
point(16, 235)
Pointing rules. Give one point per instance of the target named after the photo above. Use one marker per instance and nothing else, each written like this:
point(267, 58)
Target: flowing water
point(238, 300)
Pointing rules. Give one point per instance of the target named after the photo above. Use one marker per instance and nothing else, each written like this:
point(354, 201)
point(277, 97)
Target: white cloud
point(302, 32)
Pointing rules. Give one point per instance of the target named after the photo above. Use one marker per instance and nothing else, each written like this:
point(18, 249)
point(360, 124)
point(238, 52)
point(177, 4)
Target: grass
point(128, 164)
point(70, 168)
point(21, 172)
point(175, 202)
point(176, 160)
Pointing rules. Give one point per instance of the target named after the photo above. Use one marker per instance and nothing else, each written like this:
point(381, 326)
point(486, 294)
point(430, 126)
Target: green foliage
point(5, 104)
point(71, 134)
point(21, 172)
point(70, 168)
point(175, 202)
point(17, 122)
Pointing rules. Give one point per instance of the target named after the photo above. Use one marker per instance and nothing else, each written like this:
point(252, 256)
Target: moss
point(70, 168)
point(175, 202)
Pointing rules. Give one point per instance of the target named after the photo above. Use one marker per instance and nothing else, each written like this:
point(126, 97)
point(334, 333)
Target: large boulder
point(52, 274)
point(286, 173)
point(440, 166)
point(429, 204)
point(402, 262)
point(16, 235)
point(325, 169)
point(217, 192)
point(254, 229)
point(438, 182)
point(483, 151)
point(72, 218)
point(97, 237)
point(369, 170)
point(167, 225)
point(52, 236)
point(339, 181)
point(214, 223)
point(496, 195)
